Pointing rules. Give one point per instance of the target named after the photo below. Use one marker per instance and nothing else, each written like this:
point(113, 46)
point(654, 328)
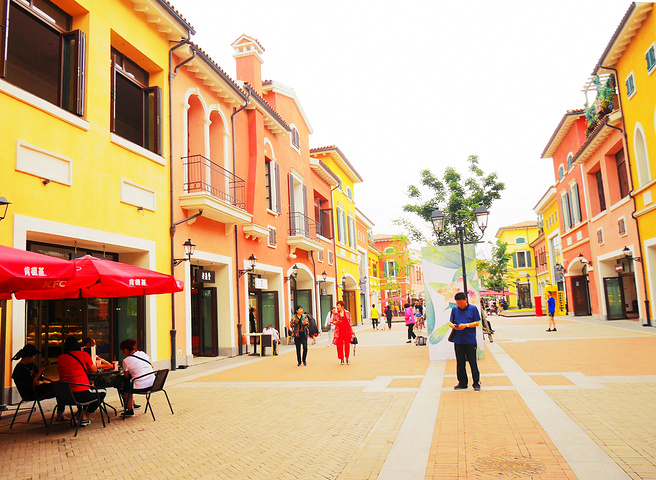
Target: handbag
point(354, 340)
point(452, 335)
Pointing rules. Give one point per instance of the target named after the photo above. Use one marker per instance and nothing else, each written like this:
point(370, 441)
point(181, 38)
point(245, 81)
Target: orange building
point(394, 267)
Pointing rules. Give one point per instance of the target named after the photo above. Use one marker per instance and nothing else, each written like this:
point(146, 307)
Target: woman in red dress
point(343, 332)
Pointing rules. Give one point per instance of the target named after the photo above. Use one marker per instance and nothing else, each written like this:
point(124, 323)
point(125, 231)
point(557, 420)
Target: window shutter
point(278, 208)
point(4, 32)
point(528, 259)
point(112, 98)
point(73, 72)
point(386, 269)
point(514, 260)
point(306, 219)
point(290, 180)
point(152, 119)
point(576, 204)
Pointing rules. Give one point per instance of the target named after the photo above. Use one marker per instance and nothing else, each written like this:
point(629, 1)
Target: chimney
point(248, 53)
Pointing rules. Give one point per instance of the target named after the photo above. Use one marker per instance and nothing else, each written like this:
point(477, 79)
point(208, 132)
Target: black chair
point(157, 386)
point(65, 397)
point(28, 394)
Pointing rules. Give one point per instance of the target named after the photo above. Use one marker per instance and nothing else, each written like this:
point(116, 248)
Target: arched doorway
point(579, 284)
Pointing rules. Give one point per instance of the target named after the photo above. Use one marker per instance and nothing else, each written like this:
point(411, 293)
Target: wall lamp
point(583, 260)
point(189, 249)
point(294, 273)
point(4, 203)
point(324, 277)
point(629, 256)
point(252, 261)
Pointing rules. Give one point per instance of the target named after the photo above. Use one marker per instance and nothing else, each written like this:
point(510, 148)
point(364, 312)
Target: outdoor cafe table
point(108, 379)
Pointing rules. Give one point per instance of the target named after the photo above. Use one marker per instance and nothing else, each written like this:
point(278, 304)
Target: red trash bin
point(538, 306)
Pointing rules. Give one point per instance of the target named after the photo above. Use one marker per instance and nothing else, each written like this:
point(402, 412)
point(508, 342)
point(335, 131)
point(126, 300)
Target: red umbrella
point(23, 270)
point(101, 278)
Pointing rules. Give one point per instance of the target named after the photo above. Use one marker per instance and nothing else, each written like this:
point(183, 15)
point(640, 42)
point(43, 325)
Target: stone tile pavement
point(553, 406)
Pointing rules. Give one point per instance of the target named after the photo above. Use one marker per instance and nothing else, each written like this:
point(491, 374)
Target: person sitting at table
point(26, 376)
point(275, 338)
point(90, 342)
point(74, 366)
point(135, 364)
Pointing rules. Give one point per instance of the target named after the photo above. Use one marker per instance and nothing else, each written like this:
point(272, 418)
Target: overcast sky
point(400, 86)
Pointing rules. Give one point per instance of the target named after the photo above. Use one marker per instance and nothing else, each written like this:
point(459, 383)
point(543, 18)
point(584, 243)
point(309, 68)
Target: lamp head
point(4, 206)
point(252, 260)
point(189, 248)
point(437, 219)
point(481, 213)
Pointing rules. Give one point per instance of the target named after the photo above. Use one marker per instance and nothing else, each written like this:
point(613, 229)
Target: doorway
point(204, 338)
point(349, 300)
point(614, 293)
point(326, 302)
point(580, 295)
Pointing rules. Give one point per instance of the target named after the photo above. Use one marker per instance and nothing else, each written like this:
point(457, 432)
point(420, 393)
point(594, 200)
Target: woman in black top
point(29, 379)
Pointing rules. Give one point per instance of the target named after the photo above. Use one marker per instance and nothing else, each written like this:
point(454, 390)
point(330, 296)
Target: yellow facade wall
point(101, 167)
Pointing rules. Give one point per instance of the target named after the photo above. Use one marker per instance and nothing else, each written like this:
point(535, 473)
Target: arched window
point(561, 172)
point(295, 138)
point(642, 157)
point(570, 157)
point(520, 240)
point(349, 193)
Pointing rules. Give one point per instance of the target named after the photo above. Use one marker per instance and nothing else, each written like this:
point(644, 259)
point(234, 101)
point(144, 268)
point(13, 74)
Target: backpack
point(421, 341)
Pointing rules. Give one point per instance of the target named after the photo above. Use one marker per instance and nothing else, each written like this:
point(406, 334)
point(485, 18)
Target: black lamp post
point(189, 249)
point(481, 213)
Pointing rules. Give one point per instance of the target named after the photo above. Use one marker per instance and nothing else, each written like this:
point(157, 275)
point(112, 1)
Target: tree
point(455, 196)
point(494, 272)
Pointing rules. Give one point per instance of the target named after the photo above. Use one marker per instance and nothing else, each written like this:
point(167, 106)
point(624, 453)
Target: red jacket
point(343, 328)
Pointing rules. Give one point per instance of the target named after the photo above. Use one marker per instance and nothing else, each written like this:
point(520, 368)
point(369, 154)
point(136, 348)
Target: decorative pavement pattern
point(577, 403)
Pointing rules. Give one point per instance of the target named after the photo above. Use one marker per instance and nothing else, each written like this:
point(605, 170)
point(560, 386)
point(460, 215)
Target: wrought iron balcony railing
point(203, 175)
point(300, 225)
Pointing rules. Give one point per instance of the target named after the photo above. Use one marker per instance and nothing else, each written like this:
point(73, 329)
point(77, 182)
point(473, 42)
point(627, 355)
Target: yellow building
point(521, 267)
point(631, 56)
point(85, 160)
point(549, 224)
point(347, 261)
point(369, 283)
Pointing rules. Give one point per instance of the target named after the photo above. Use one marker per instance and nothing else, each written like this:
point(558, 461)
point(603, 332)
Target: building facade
point(521, 267)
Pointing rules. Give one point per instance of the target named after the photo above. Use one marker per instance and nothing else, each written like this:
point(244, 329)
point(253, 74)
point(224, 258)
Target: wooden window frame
point(72, 53)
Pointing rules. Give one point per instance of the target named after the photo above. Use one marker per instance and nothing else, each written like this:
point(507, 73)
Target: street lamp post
point(481, 213)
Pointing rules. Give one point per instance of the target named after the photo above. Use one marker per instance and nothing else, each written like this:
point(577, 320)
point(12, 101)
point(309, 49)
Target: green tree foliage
point(494, 272)
point(455, 196)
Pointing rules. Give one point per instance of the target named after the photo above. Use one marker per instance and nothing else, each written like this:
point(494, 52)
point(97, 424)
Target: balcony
point(215, 190)
point(303, 233)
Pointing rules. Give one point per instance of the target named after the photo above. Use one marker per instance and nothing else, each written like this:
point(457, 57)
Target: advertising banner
point(442, 272)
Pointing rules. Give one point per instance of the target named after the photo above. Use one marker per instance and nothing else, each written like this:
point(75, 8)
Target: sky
point(400, 86)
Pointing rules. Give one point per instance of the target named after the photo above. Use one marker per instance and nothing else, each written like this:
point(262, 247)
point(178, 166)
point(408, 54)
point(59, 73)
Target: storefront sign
point(619, 268)
point(204, 276)
point(261, 283)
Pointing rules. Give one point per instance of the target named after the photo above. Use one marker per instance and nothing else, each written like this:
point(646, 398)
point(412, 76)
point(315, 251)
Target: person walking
point(388, 315)
point(374, 316)
point(551, 310)
point(343, 332)
point(464, 320)
point(410, 322)
point(313, 329)
point(300, 325)
point(329, 326)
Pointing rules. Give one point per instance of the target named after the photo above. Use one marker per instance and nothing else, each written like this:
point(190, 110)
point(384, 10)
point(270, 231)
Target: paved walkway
point(573, 404)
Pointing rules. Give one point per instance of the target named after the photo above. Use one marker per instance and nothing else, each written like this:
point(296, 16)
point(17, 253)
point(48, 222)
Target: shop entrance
point(349, 300)
point(614, 293)
point(265, 304)
point(580, 294)
point(107, 320)
point(204, 338)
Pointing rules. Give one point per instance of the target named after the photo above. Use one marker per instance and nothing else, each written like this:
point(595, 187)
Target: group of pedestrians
point(340, 333)
point(75, 366)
